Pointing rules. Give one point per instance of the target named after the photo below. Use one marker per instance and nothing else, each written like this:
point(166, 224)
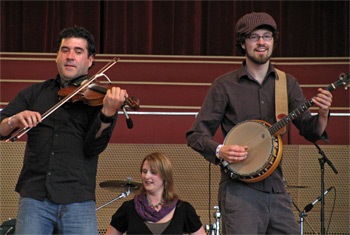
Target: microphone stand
point(322, 161)
point(122, 195)
point(302, 216)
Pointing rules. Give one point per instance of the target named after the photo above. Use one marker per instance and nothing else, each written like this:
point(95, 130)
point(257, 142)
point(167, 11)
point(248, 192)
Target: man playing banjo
point(252, 205)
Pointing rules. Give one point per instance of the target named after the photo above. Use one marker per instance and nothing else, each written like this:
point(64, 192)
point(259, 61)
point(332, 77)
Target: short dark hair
point(241, 38)
point(77, 32)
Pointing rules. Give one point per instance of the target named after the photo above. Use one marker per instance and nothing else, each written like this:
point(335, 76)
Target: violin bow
point(20, 133)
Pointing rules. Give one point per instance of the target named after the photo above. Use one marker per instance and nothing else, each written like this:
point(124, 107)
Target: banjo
point(264, 142)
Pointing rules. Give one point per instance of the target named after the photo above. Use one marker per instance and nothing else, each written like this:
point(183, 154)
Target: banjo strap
point(281, 100)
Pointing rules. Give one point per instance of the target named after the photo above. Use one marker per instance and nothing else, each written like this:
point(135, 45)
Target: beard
point(258, 59)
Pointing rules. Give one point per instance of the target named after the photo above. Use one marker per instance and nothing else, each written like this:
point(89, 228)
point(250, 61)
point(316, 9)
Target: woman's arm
point(199, 231)
point(112, 231)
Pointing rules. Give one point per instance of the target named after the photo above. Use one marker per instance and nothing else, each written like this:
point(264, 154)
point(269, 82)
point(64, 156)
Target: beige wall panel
point(192, 174)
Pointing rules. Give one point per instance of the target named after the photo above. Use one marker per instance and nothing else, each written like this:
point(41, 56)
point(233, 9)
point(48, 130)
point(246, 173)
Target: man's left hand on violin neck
point(113, 100)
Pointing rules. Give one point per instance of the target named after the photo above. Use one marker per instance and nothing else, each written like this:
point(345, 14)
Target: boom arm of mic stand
point(326, 159)
point(122, 195)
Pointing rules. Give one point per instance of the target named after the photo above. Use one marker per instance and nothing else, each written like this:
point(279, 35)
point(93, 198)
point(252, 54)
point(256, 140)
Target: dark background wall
point(307, 28)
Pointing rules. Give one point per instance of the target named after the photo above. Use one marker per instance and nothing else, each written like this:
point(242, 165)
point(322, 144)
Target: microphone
point(311, 205)
point(129, 122)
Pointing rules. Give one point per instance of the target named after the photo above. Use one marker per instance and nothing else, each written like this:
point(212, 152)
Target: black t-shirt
point(185, 220)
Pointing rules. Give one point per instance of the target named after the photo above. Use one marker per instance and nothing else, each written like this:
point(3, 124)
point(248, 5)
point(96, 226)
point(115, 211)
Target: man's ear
point(91, 58)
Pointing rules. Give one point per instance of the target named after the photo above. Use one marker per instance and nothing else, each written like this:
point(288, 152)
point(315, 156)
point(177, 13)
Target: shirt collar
point(75, 82)
point(243, 73)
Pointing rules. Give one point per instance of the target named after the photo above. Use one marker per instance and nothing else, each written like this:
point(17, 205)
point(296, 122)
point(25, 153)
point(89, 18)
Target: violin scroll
point(131, 103)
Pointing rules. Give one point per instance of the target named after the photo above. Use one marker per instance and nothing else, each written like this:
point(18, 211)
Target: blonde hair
point(162, 166)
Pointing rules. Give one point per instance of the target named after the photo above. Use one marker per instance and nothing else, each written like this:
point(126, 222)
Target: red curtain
point(307, 28)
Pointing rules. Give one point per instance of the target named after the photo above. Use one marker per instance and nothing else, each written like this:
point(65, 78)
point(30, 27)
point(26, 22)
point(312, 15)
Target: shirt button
point(52, 153)
point(262, 102)
point(49, 173)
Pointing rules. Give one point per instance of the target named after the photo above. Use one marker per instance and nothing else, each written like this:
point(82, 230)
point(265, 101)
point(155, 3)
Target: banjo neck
point(342, 81)
point(290, 117)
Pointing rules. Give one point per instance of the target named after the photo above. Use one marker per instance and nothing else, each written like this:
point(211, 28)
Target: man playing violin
point(58, 179)
point(261, 207)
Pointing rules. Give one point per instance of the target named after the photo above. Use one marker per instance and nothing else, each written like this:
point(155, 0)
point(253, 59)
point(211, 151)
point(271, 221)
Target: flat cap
point(251, 21)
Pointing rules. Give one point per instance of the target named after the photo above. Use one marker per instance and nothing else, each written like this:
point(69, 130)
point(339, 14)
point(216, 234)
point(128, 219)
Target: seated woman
point(156, 208)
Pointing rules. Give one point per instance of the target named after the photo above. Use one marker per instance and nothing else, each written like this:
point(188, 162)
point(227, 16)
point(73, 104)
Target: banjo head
point(256, 136)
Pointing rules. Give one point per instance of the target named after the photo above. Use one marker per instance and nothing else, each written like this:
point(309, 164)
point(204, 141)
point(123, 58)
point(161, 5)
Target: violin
point(77, 93)
point(94, 94)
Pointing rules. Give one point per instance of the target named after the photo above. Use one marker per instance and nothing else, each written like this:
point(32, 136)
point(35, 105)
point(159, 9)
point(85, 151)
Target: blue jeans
point(41, 217)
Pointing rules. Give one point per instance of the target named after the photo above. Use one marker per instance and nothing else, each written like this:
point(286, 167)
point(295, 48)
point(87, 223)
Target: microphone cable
point(209, 189)
point(331, 215)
